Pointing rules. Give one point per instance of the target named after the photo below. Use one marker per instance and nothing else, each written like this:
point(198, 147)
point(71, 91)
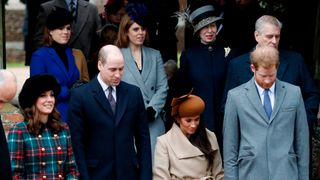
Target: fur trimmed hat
point(58, 17)
point(187, 106)
point(35, 86)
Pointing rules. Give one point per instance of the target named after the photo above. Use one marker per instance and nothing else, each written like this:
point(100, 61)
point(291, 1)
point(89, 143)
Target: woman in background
point(58, 59)
point(203, 66)
point(143, 66)
point(40, 146)
point(188, 150)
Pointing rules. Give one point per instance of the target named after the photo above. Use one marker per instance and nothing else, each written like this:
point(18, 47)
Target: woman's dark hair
point(200, 140)
point(34, 125)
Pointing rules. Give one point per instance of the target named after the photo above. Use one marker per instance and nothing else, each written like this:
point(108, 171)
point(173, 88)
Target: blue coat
point(292, 70)
point(108, 146)
point(255, 147)
point(46, 60)
point(204, 69)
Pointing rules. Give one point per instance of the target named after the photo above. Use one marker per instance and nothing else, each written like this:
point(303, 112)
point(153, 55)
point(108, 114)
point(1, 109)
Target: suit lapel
point(280, 92)
point(122, 101)
point(100, 96)
point(283, 65)
point(248, 64)
point(79, 23)
point(254, 98)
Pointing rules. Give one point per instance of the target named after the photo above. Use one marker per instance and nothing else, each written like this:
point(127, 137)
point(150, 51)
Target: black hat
point(138, 12)
point(199, 14)
point(35, 86)
point(58, 17)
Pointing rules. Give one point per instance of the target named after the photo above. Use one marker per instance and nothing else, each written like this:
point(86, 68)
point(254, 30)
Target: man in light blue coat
point(262, 145)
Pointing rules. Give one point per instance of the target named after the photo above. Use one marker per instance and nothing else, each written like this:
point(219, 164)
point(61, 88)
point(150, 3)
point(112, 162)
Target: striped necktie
point(73, 8)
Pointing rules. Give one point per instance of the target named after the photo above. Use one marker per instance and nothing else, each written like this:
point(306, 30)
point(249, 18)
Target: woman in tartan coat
point(40, 146)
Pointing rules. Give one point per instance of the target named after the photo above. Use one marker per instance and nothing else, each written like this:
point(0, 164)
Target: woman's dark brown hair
point(34, 125)
point(200, 140)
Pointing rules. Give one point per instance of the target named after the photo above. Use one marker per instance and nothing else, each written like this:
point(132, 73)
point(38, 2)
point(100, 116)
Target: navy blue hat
point(58, 17)
point(35, 86)
point(138, 12)
point(202, 14)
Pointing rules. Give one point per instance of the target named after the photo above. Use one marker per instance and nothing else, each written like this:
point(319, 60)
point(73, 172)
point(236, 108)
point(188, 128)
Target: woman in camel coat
point(188, 150)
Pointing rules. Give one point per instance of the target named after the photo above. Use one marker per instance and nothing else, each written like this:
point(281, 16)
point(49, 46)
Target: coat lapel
point(147, 58)
point(122, 101)
point(100, 96)
point(283, 65)
point(254, 98)
point(56, 59)
point(280, 92)
point(181, 145)
point(79, 23)
point(132, 68)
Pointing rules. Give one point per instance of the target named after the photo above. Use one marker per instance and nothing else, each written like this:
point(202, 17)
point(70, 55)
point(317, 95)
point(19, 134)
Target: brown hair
point(34, 125)
point(265, 56)
point(47, 39)
point(123, 39)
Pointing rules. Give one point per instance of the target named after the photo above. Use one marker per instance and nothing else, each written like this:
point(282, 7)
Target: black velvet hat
point(35, 86)
point(58, 17)
point(199, 14)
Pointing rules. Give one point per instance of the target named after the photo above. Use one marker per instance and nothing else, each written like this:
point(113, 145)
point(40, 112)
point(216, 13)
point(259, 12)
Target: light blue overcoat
point(258, 148)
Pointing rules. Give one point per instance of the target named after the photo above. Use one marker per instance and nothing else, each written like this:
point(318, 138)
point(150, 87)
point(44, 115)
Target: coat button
point(60, 176)
point(59, 162)
point(147, 102)
point(44, 177)
point(43, 163)
point(152, 88)
point(59, 148)
point(39, 136)
point(43, 149)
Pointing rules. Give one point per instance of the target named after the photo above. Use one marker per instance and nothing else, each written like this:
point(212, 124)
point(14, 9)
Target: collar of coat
point(181, 145)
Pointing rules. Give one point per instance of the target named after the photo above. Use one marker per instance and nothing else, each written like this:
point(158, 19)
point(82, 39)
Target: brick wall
point(14, 35)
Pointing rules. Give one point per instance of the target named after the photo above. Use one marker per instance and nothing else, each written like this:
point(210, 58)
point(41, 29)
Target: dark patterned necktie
point(73, 8)
point(111, 100)
point(267, 103)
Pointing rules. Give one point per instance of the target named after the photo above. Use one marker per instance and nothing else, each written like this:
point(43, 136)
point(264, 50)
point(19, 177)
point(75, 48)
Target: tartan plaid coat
point(47, 156)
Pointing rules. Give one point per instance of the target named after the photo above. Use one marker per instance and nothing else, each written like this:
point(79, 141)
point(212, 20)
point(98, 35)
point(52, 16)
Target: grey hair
point(6, 75)
point(266, 19)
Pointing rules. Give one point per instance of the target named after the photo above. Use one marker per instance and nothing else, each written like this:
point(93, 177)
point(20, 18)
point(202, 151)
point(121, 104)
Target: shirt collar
point(261, 90)
point(103, 84)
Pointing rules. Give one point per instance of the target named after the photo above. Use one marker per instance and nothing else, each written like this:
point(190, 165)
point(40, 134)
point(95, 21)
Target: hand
point(151, 114)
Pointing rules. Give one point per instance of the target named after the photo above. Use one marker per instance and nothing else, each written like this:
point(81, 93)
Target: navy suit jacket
point(108, 146)
point(292, 69)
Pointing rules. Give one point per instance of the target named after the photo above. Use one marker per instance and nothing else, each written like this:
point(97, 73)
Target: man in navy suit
point(8, 89)
point(110, 143)
point(291, 69)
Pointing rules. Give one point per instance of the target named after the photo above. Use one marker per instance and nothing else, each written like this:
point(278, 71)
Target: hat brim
point(205, 22)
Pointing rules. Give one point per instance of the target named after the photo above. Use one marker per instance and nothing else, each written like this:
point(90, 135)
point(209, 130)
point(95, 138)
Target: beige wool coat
point(176, 158)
